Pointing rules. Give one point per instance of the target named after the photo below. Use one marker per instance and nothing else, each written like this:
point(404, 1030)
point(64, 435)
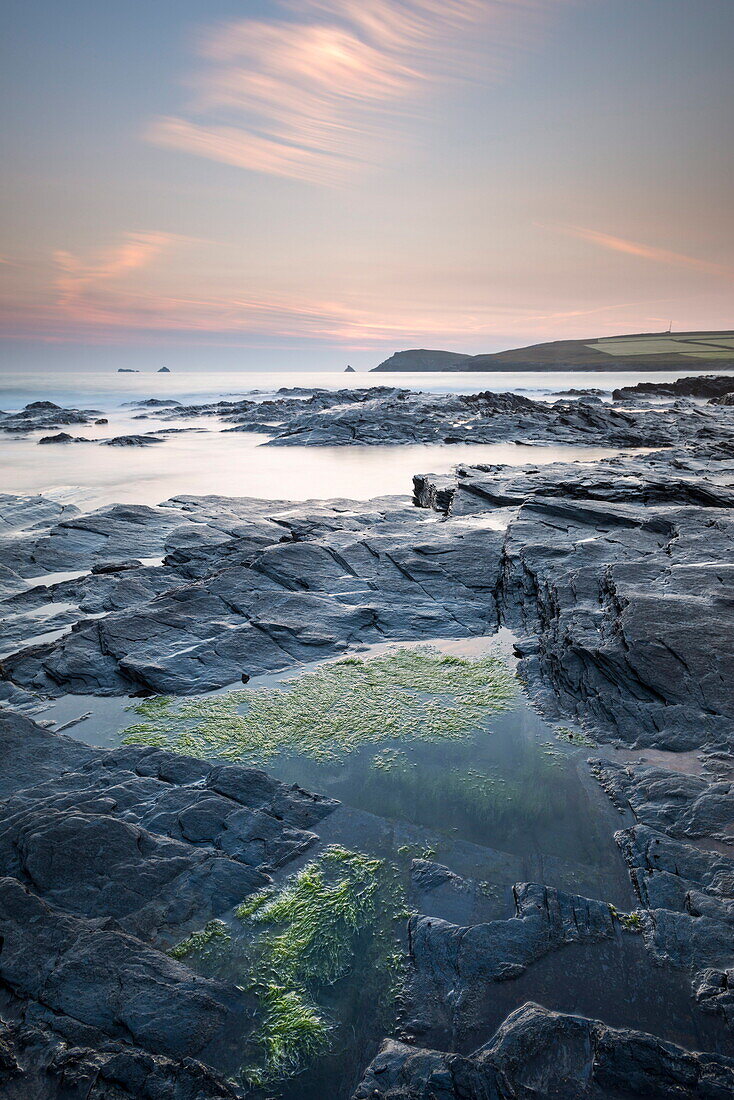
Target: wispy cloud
point(327, 87)
point(150, 284)
point(79, 280)
point(644, 251)
point(124, 291)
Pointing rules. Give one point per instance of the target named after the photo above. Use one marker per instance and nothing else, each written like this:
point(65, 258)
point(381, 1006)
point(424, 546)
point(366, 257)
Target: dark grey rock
point(111, 981)
point(105, 859)
point(151, 403)
point(47, 1056)
point(131, 441)
point(390, 415)
point(117, 566)
point(40, 415)
point(61, 437)
point(632, 610)
point(548, 1055)
point(232, 598)
point(31, 754)
point(697, 385)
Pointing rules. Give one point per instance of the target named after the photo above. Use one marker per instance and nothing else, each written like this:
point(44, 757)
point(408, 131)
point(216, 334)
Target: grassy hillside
point(640, 351)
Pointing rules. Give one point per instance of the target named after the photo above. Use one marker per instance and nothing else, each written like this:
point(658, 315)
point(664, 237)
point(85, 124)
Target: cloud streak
point(643, 251)
point(328, 87)
point(78, 280)
point(146, 283)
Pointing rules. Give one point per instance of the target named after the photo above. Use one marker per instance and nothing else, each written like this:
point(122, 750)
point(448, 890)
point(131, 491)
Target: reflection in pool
point(437, 758)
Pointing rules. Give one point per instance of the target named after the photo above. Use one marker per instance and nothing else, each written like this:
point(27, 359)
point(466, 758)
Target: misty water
point(208, 460)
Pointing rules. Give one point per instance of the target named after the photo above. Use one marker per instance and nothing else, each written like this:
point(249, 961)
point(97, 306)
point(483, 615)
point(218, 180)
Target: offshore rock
point(44, 415)
point(386, 414)
point(700, 385)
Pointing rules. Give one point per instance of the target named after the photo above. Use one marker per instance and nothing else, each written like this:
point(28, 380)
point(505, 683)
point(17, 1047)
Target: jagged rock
point(131, 441)
point(109, 980)
point(714, 991)
point(47, 1055)
point(117, 566)
point(539, 1053)
point(31, 754)
point(697, 385)
point(19, 513)
point(62, 437)
point(670, 874)
point(684, 806)
point(40, 415)
point(389, 415)
point(152, 403)
point(453, 966)
point(591, 391)
point(632, 612)
point(106, 859)
point(642, 480)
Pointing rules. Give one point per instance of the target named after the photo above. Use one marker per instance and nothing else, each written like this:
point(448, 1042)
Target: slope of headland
point(637, 351)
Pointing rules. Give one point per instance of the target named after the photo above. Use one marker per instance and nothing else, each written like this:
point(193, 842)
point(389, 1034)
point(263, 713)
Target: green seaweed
point(631, 922)
point(291, 944)
point(290, 1034)
point(214, 931)
point(574, 737)
point(416, 851)
point(308, 935)
point(404, 694)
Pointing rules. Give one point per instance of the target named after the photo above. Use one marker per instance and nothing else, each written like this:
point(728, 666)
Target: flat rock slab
point(236, 596)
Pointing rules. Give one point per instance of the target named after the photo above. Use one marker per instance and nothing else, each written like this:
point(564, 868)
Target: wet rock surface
point(701, 385)
point(44, 415)
point(105, 862)
point(548, 1054)
point(245, 587)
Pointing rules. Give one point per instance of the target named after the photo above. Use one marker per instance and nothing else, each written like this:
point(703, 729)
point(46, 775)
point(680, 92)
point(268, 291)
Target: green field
point(704, 346)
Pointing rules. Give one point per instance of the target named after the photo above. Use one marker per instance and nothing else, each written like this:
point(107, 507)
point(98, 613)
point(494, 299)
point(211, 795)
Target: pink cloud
point(644, 252)
point(328, 87)
point(115, 294)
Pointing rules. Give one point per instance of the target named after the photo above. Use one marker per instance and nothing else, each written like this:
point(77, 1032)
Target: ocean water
point(208, 460)
point(108, 389)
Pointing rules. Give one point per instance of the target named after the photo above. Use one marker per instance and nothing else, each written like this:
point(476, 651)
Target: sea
point(208, 460)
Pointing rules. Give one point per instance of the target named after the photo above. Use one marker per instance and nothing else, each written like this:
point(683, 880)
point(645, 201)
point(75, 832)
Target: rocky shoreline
point(616, 581)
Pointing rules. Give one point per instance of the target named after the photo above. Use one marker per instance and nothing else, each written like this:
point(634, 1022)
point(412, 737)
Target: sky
point(308, 183)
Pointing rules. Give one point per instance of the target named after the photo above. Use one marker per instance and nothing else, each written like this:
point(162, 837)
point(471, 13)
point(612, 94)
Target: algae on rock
point(293, 944)
point(404, 694)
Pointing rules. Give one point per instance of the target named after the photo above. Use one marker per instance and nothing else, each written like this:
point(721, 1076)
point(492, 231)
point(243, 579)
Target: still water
point(511, 801)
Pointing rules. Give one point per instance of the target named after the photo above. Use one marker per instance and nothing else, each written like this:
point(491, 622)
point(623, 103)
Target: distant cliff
point(418, 359)
point(640, 351)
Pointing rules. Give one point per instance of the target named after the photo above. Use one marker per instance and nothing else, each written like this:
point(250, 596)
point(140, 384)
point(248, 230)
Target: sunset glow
point(367, 175)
